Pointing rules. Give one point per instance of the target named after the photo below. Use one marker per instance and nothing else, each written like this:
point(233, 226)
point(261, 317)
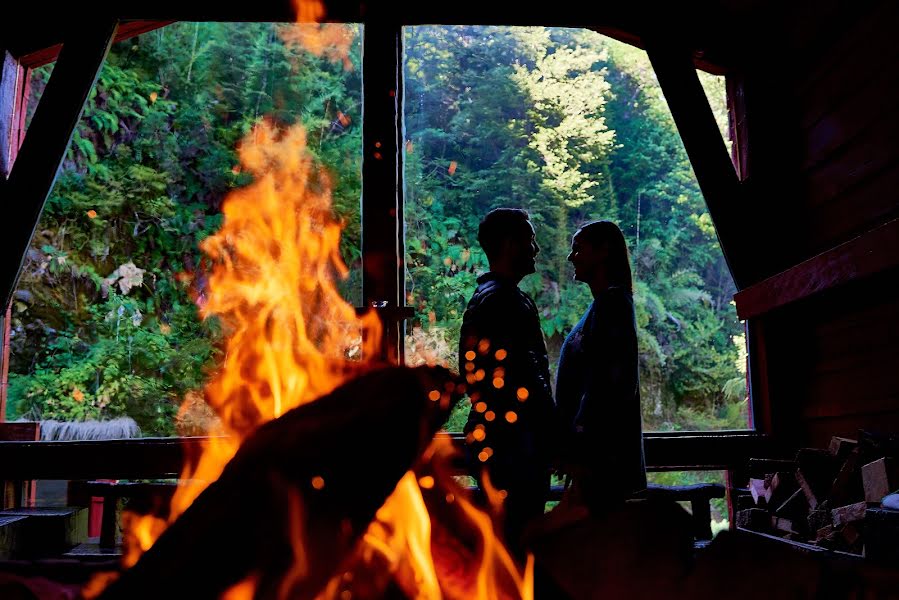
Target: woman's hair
point(618, 265)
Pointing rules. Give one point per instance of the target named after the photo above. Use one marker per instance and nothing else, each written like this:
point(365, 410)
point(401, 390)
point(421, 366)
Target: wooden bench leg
point(108, 524)
point(702, 519)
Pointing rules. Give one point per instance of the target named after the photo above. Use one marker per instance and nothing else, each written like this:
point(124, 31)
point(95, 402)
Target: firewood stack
point(830, 498)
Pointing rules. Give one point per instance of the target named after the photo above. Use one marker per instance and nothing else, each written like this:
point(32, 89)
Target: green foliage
point(564, 123)
point(129, 367)
point(105, 321)
point(572, 127)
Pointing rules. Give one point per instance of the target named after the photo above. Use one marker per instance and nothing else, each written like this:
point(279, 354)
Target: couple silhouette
point(518, 431)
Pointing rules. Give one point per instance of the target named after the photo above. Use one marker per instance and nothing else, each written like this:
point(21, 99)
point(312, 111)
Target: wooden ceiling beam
point(34, 39)
point(874, 252)
point(715, 173)
point(44, 49)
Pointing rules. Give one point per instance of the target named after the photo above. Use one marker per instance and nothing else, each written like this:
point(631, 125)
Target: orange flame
point(329, 40)
point(291, 338)
point(399, 541)
point(290, 334)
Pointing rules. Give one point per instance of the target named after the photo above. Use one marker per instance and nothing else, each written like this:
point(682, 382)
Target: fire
point(322, 39)
point(290, 333)
point(141, 532)
point(464, 560)
point(291, 338)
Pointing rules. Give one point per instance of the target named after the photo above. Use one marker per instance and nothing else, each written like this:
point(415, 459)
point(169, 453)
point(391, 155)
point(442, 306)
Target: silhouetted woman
point(597, 389)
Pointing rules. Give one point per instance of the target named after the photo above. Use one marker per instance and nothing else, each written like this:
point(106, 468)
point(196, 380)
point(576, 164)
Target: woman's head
point(599, 255)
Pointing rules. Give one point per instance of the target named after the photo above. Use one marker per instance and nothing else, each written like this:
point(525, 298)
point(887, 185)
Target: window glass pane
point(571, 126)
point(105, 321)
point(715, 88)
point(37, 82)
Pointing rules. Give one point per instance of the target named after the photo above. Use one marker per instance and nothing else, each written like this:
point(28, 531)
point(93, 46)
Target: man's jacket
point(503, 357)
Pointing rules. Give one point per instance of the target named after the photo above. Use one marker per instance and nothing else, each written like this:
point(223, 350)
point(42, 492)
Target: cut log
point(840, 447)
point(306, 484)
point(783, 525)
point(847, 485)
point(882, 536)
point(781, 486)
point(819, 518)
point(47, 531)
point(744, 501)
point(879, 479)
point(815, 473)
point(755, 519)
point(759, 491)
point(876, 445)
point(808, 491)
point(851, 535)
point(824, 533)
point(794, 507)
point(848, 514)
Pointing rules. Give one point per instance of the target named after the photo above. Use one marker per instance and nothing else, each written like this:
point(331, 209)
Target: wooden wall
point(823, 136)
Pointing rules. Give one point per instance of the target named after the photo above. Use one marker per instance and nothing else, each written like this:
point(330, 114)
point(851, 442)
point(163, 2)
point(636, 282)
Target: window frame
point(383, 243)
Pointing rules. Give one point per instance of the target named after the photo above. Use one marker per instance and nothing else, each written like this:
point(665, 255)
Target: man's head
point(507, 237)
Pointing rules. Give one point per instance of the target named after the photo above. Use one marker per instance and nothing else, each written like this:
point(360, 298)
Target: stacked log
point(832, 498)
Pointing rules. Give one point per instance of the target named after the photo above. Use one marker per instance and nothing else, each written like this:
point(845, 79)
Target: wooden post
point(382, 170)
point(705, 147)
point(10, 76)
point(43, 149)
point(9, 83)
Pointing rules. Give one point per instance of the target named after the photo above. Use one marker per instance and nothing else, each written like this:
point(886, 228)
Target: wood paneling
point(834, 362)
point(821, 131)
point(816, 433)
point(872, 201)
point(848, 107)
point(854, 163)
point(866, 50)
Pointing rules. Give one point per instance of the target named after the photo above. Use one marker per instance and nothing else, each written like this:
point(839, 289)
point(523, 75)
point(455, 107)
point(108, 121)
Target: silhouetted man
point(502, 355)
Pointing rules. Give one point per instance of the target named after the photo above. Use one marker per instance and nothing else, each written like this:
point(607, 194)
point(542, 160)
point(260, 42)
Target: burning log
point(299, 492)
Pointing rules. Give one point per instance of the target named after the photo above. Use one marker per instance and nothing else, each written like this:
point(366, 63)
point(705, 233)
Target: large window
point(571, 126)
point(566, 123)
point(105, 321)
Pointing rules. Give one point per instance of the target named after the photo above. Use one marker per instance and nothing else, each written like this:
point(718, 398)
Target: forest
point(565, 123)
